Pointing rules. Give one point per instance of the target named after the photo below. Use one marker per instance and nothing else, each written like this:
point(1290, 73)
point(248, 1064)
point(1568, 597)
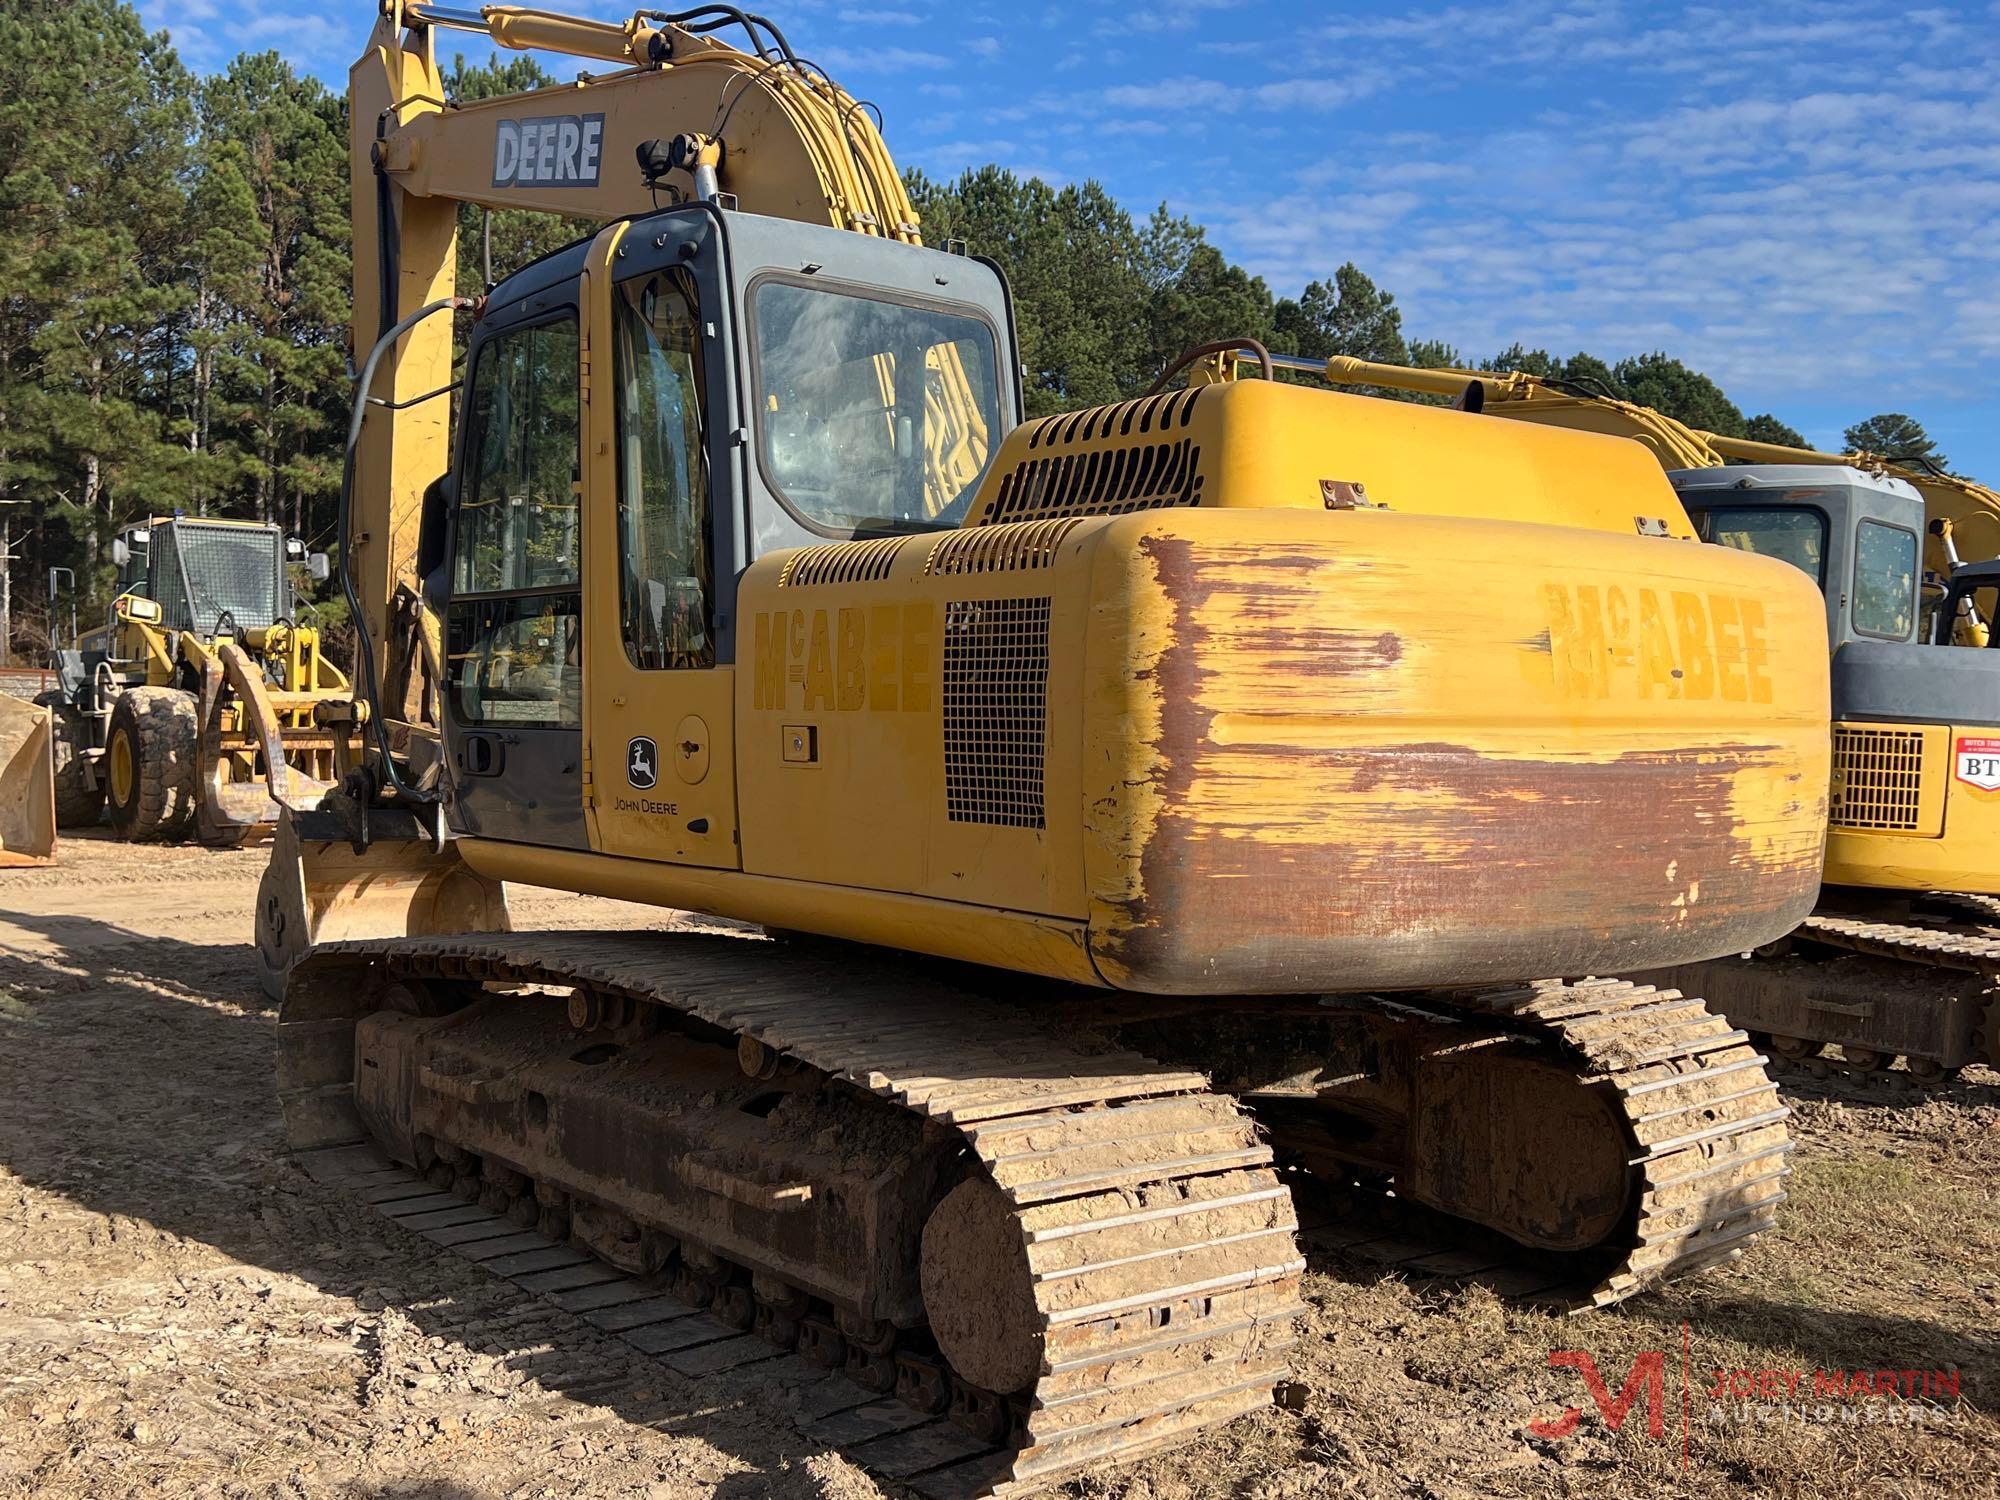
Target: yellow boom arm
point(765, 129)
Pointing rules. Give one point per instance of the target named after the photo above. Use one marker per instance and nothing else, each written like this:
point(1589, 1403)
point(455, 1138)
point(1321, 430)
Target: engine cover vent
point(1000, 549)
point(1878, 777)
point(1100, 482)
point(996, 688)
point(1094, 424)
point(842, 562)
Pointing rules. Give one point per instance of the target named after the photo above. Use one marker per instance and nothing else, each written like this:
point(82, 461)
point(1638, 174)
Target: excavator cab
point(1964, 612)
point(1914, 727)
point(772, 385)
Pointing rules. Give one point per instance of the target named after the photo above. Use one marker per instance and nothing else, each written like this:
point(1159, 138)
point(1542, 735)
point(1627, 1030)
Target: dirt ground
point(183, 1311)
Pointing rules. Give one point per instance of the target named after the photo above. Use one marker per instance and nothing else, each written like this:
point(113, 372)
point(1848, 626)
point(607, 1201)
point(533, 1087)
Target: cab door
point(661, 761)
point(513, 622)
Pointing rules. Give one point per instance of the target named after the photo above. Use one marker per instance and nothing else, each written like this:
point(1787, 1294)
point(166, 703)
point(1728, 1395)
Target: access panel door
point(514, 629)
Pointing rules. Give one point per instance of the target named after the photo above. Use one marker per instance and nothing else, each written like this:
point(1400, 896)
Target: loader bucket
point(27, 784)
point(320, 891)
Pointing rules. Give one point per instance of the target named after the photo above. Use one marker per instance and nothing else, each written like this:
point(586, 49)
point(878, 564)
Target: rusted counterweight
point(1351, 782)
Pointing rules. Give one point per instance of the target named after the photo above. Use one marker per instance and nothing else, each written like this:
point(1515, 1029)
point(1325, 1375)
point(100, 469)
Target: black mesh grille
point(1878, 778)
point(996, 683)
point(206, 571)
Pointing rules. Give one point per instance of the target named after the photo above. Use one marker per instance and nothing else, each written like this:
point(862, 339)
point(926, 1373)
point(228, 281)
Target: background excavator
point(1127, 792)
point(1902, 958)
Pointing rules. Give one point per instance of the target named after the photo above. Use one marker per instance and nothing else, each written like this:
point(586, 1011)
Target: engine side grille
point(1878, 777)
point(842, 562)
point(996, 681)
point(1000, 549)
point(1100, 482)
point(1161, 413)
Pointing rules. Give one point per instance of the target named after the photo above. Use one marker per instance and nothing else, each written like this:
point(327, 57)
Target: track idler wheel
point(978, 1291)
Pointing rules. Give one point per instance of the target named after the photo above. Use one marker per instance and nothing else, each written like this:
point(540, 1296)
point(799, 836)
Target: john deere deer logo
point(642, 763)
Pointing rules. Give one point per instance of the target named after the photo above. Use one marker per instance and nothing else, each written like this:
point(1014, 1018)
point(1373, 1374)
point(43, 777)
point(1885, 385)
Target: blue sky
point(1802, 199)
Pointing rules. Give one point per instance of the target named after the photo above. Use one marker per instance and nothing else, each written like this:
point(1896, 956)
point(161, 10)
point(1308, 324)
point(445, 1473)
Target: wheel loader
point(1153, 811)
point(1902, 957)
point(152, 710)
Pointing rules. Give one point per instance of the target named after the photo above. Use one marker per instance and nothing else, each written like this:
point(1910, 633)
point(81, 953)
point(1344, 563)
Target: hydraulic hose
point(364, 648)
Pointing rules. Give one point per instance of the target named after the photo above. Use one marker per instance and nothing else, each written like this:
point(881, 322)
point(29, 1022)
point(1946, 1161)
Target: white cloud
point(875, 60)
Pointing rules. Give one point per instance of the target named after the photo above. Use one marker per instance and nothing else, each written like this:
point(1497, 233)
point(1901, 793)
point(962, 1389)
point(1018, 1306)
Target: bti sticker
point(1977, 762)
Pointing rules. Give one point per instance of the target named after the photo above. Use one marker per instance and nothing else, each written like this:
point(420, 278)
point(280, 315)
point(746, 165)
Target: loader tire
point(149, 764)
point(79, 794)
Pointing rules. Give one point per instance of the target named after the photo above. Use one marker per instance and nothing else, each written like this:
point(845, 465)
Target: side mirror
point(294, 548)
point(120, 553)
point(318, 569)
point(432, 523)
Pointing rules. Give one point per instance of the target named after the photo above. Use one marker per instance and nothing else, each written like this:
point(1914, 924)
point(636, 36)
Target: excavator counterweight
point(1902, 960)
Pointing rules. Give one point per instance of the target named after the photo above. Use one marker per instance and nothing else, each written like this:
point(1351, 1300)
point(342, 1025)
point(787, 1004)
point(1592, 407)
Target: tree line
point(174, 287)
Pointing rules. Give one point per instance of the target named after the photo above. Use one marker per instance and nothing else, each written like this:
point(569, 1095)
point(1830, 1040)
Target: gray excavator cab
point(1861, 535)
point(798, 384)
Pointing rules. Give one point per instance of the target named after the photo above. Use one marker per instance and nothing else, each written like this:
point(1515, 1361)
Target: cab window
point(1972, 619)
point(1885, 580)
point(518, 661)
point(517, 503)
point(664, 575)
point(1795, 534)
point(513, 643)
point(872, 415)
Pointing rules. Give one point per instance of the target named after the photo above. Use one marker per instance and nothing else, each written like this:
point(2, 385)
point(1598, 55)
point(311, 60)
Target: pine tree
point(1350, 315)
point(93, 126)
point(274, 144)
point(1765, 428)
point(1896, 437)
point(1686, 395)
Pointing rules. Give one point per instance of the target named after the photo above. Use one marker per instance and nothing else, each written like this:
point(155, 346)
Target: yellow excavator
point(1902, 958)
point(1155, 810)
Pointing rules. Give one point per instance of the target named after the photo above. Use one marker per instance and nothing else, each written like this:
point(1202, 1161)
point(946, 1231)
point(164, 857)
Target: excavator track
point(1961, 935)
point(1706, 1140)
point(1154, 1261)
point(1924, 990)
point(1124, 1241)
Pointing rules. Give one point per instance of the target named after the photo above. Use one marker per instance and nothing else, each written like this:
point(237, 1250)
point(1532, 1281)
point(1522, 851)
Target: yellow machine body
point(1236, 740)
point(1238, 696)
point(1905, 815)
